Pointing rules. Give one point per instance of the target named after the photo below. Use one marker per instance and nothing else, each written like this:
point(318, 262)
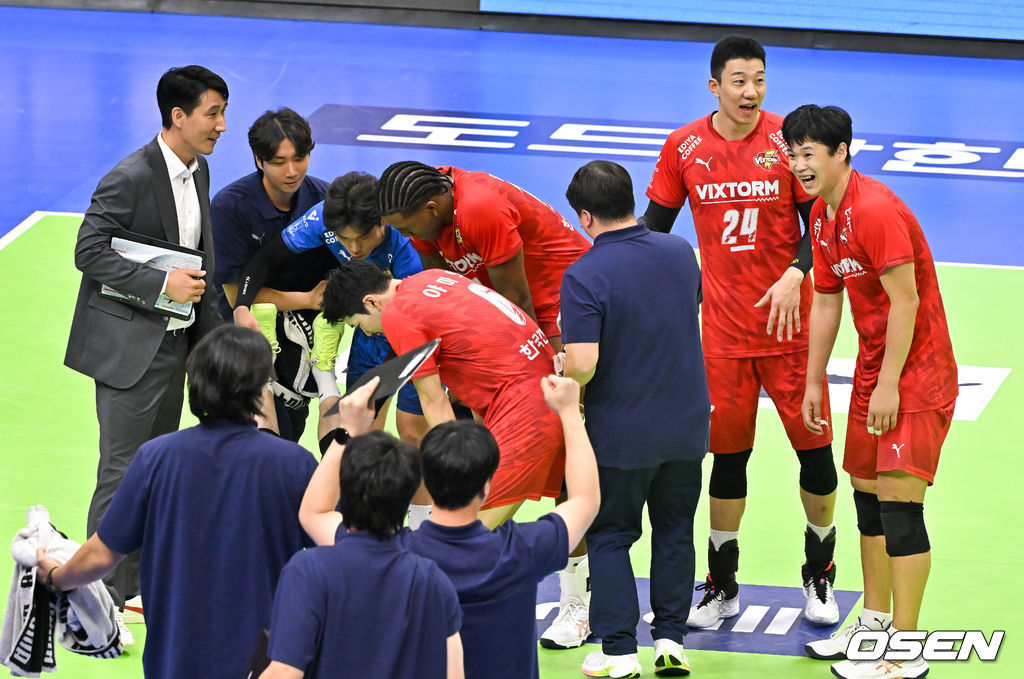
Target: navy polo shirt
point(637, 294)
point(244, 220)
point(495, 574)
point(214, 509)
point(363, 607)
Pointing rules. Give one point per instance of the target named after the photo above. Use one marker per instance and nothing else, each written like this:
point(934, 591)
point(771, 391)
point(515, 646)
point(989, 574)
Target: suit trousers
point(128, 418)
point(670, 491)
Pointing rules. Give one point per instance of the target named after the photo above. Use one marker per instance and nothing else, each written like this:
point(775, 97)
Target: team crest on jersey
point(847, 227)
point(767, 159)
point(458, 236)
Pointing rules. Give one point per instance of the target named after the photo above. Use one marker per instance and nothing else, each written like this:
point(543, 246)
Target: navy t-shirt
point(244, 220)
point(495, 574)
point(215, 510)
point(637, 294)
point(363, 607)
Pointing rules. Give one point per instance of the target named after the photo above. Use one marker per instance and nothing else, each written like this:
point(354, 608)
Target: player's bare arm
point(581, 361)
point(900, 285)
point(826, 314)
point(456, 667)
point(434, 400)
point(433, 260)
point(509, 279)
point(317, 512)
point(562, 395)
point(279, 670)
point(783, 297)
point(91, 562)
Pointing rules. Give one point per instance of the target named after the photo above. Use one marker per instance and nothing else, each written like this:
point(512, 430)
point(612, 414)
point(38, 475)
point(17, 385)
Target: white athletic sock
point(821, 531)
point(720, 537)
point(326, 383)
point(418, 514)
point(875, 619)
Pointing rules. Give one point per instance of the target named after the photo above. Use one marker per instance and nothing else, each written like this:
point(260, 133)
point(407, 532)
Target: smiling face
point(819, 171)
point(739, 94)
point(200, 130)
point(284, 172)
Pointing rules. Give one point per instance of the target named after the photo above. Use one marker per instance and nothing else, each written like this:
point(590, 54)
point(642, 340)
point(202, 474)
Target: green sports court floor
point(48, 435)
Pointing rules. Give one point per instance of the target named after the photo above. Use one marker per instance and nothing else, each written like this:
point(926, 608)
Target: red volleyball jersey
point(743, 198)
point(491, 353)
point(872, 232)
point(493, 221)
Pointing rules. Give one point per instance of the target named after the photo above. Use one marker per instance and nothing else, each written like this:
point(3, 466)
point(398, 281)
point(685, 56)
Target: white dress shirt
point(186, 203)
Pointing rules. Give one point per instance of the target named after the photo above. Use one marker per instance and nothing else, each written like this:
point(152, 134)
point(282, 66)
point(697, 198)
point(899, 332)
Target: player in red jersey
point(486, 229)
point(491, 356)
point(867, 242)
point(732, 167)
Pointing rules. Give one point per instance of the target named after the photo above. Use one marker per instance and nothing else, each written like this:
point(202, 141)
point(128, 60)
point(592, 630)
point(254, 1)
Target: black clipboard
point(167, 255)
point(395, 372)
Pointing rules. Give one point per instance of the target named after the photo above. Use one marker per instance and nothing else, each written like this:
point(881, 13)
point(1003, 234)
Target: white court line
point(29, 222)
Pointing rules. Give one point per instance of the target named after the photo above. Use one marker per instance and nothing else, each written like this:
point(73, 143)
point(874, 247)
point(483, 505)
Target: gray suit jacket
point(115, 343)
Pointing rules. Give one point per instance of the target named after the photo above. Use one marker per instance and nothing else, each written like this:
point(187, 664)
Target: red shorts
point(532, 453)
point(734, 385)
point(912, 447)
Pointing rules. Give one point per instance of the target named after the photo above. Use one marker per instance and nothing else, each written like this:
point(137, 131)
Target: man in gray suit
point(136, 355)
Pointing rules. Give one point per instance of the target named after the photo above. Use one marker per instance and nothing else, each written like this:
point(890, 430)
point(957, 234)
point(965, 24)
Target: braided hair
point(406, 186)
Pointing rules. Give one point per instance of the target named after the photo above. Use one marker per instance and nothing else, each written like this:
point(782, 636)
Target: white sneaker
point(133, 613)
point(570, 628)
point(881, 669)
point(821, 608)
point(670, 659)
point(713, 607)
point(597, 664)
point(127, 638)
point(834, 648)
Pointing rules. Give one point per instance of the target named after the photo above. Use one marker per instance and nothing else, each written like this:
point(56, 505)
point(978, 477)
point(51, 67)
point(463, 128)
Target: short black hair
point(183, 88)
point(459, 458)
point(408, 185)
point(273, 127)
point(604, 189)
point(348, 285)
point(379, 475)
point(227, 371)
point(734, 47)
point(351, 201)
point(827, 125)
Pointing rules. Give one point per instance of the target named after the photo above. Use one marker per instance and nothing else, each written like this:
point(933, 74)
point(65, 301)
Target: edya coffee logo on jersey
point(937, 645)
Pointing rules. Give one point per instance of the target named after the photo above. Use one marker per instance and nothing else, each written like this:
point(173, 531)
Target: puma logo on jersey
point(728, 190)
point(705, 163)
point(897, 448)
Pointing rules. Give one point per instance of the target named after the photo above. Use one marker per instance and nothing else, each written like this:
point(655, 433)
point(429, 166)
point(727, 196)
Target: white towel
point(82, 620)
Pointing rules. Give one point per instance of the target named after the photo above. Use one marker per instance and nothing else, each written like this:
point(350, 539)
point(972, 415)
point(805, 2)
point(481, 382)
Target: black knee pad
point(729, 476)
point(905, 533)
point(817, 470)
point(869, 517)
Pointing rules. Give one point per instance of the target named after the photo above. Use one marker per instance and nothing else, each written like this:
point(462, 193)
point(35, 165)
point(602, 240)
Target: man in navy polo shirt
point(630, 327)
point(250, 212)
point(495, 573)
point(214, 509)
point(366, 606)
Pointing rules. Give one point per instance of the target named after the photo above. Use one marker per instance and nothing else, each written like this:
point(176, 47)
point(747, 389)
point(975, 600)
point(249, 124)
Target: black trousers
point(671, 492)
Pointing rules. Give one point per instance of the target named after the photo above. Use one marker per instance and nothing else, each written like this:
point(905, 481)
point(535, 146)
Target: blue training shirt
point(495, 574)
point(394, 255)
point(363, 607)
point(214, 509)
point(637, 294)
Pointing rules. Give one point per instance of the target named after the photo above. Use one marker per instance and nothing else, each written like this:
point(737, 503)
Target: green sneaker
point(326, 338)
point(266, 316)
